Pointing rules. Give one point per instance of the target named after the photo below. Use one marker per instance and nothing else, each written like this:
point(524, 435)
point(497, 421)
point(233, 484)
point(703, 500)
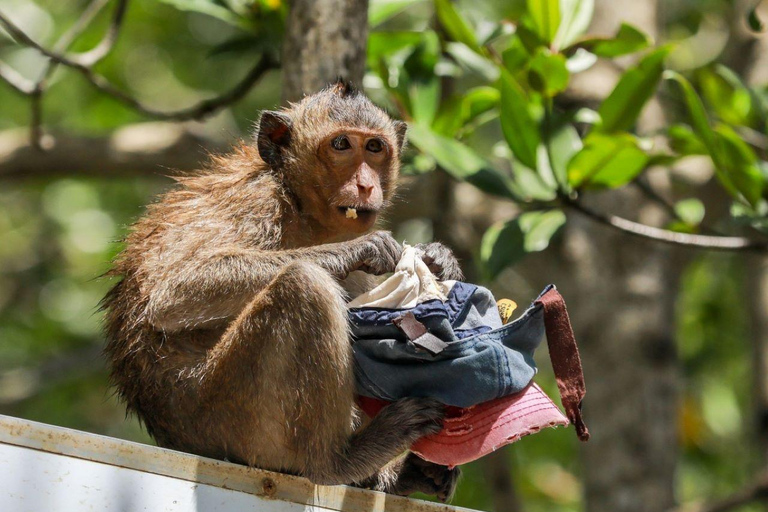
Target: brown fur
point(227, 333)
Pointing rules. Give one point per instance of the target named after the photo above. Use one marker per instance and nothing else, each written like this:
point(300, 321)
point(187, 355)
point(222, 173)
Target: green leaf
point(621, 108)
point(455, 25)
point(540, 227)
point(563, 144)
point(545, 15)
point(724, 92)
point(520, 129)
point(460, 109)
point(691, 211)
point(754, 22)
point(380, 11)
point(627, 40)
point(548, 73)
point(459, 161)
point(736, 165)
point(214, 10)
point(576, 16)
point(714, 144)
point(683, 141)
point(475, 63)
point(384, 44)
point(581, 60)
point(506, 243)
point(424, 98)
point(606, 161)
point(741, 165)
point(698, 115)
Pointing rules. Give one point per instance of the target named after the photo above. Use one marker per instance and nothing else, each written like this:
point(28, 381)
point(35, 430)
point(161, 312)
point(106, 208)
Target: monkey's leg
point(286, 364)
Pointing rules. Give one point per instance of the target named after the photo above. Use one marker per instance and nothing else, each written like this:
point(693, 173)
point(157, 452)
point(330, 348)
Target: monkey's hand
point(377, 253)
point(419, 475)
point(441, 261)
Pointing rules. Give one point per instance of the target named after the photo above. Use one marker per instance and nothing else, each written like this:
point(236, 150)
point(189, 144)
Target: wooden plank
point(153, 460)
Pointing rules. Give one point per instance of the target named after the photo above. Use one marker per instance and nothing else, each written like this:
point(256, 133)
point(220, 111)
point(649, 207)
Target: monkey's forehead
point(328, 110)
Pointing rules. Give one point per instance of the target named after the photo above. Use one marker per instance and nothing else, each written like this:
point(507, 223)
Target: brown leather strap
point(564, 355)
point(418, 334)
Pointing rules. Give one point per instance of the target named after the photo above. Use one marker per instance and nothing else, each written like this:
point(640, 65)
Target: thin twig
point(756, 491)
point(198, 111)
point(717, 243)
point(101, 50)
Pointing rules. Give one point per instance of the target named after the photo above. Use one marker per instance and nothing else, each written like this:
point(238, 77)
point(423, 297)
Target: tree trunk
point(325, 40)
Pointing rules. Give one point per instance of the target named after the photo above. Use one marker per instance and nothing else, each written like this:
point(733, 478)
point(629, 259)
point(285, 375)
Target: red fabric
point(564, 355)
point(476, 431)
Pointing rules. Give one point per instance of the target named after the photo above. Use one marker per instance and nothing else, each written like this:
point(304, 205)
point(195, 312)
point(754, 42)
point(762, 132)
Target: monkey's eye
point(374, 145)
point(341, 143)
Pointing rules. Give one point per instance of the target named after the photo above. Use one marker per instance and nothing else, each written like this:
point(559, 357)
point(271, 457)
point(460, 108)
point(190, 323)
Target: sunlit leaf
point(580, 61)
point(606, 161)
point(214, 10)
point(425, 97)
point(545, 15)
point(474, 62)
point(520, 129)
point(506, 243)
point(380, 11)
point(735, 162)
point(459, 160)
point(576, 16)
point(540, 227)
point(729, 98)
point(621, 108)
point(563, 144)
point(384, 44)
point(627, 40)
point(455, 25)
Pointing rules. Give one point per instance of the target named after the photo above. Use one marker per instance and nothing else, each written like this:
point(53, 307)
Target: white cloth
point(411, 284)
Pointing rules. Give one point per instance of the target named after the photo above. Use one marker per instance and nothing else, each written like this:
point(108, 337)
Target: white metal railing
point(50, 469)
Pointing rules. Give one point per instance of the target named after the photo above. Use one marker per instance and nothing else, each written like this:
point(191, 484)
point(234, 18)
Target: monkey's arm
point(217, 284)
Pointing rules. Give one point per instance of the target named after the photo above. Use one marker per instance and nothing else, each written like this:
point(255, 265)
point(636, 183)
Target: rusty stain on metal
point(268, 487)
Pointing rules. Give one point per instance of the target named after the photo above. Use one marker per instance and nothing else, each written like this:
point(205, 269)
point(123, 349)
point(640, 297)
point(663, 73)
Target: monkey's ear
point(274, 137)
point(400, 129)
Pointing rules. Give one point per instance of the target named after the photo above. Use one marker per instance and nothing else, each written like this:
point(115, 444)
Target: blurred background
point(616, 148)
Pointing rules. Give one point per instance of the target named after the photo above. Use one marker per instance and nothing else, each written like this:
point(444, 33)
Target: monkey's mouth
point(357, 212)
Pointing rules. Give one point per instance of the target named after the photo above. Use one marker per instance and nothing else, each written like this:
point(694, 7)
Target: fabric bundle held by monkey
point(417, 336)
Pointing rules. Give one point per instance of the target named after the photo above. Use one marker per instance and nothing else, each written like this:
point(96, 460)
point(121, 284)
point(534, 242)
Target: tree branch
point(83, 63)
point(717, 243)
point(144, 149)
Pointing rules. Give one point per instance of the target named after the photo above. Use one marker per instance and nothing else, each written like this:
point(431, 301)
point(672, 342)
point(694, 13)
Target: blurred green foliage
point(480, 84)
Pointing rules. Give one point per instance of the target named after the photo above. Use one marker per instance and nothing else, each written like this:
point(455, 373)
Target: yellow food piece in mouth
point(351, 213)
point(506, 308)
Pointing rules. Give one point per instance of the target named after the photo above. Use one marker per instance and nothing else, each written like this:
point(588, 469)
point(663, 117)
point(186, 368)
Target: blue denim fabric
point(483, 360)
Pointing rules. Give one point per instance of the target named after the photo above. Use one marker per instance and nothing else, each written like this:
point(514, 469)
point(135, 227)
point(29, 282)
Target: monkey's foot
point(419, 475)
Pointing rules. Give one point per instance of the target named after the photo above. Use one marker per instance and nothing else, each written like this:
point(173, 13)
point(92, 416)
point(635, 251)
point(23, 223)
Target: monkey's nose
point(364, 191)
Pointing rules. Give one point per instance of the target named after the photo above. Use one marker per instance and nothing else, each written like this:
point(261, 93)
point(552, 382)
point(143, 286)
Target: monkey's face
point(358, 172)
point(338, 153)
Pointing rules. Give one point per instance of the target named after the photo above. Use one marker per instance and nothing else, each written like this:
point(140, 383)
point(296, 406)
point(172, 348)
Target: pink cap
point(469, 433)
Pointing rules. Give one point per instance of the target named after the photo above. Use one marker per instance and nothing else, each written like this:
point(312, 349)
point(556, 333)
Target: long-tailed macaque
point(227, 333)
